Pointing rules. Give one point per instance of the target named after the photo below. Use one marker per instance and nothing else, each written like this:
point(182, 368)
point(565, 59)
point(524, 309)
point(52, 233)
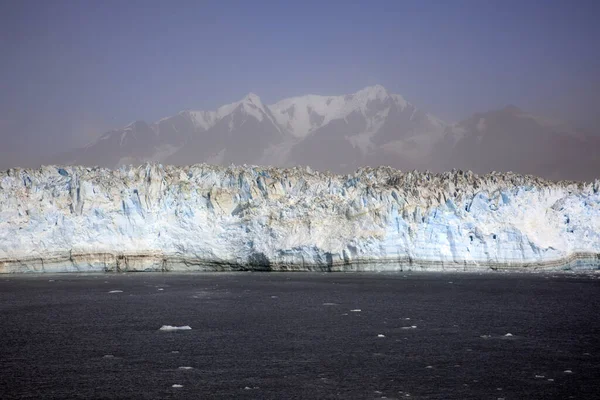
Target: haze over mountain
point(342, 133)
point(74, 72)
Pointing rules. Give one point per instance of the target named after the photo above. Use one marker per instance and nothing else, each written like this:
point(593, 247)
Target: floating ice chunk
point(160, 288)
point(568, 371)
point(274, 297)
point(356, 310)
point(429, 367)
point(175, 328)
point(177, 385)
point(407, 319)
point(329, 304)
point(186, 368)
point(175, 352)
point(539, 376)
point(116, 291)
point(108, 356)
point(550, 380)
point(413, 326)
point(380, 335)
point(247, 388)
point(508, 335)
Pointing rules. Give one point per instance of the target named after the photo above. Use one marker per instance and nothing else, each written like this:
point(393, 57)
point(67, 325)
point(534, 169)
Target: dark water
point(293, 336)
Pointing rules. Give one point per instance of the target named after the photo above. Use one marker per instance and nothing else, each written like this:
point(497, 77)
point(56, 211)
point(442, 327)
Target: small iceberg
point(175, 328)
point(116, 291)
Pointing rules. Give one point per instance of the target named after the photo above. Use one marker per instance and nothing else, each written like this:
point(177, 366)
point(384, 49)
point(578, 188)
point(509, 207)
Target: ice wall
point(205, 217)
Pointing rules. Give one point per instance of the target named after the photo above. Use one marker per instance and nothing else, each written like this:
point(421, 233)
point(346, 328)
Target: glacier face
point(203, 217)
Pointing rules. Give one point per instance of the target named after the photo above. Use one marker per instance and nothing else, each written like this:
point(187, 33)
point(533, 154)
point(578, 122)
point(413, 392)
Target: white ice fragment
point(429, 367)
point(329, 304)
point(175, 328)
point(177, 385)
point(247, 388)
point(186, 368)
point(550, 380)
point(414, 327)
point(161, 289)
point(108, 356)
point(508, 335)
point(568, 371)
point(380, 335)
point(174, 352)
point(539, 376)
point(116, 291)
point(274, 297)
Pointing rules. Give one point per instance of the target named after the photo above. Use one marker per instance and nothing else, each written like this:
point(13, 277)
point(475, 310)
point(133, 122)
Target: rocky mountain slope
point(511, 139)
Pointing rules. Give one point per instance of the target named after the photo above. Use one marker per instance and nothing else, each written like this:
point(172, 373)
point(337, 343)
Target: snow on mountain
point(363, 127)
point(293, 131)
point(251, 105)
point(305, 114)
point(201, 217)
point(342, 133)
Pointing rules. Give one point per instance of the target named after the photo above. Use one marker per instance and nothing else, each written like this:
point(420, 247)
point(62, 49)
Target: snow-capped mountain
point(338, 133)
point(342, 133)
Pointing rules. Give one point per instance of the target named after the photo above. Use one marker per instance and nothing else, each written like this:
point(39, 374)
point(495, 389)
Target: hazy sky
point(73, 68)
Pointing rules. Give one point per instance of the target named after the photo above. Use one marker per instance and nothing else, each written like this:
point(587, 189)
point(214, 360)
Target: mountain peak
point(252, 98)
point(373, 92)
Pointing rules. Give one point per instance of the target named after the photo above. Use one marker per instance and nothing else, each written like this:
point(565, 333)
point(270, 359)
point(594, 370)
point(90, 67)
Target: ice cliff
point(205, 217)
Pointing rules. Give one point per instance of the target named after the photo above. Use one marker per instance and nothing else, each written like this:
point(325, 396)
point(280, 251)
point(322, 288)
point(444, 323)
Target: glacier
point(208, 218)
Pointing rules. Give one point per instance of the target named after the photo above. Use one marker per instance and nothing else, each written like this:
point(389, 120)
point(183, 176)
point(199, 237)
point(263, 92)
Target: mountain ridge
point(342, 133)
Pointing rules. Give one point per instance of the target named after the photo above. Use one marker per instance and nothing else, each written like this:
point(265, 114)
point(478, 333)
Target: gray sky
point(72, 69)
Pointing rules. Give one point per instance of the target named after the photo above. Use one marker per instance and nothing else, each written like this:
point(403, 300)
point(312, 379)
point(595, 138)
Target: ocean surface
point(300, 336)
